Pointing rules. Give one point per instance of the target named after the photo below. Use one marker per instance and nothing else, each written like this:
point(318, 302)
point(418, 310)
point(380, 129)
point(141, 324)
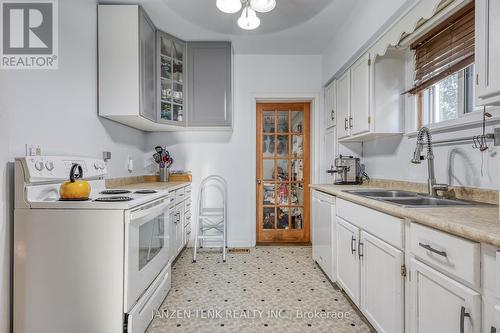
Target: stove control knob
point(49, 166)
point(39, 166)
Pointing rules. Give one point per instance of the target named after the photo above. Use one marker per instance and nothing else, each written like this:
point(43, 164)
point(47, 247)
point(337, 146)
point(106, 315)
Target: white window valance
point(410, 21)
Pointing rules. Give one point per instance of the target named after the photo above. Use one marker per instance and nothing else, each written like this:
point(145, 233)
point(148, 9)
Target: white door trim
point(311, 97)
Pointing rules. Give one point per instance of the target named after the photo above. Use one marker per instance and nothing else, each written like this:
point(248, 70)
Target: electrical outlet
point(497, 136)
point(33, 149)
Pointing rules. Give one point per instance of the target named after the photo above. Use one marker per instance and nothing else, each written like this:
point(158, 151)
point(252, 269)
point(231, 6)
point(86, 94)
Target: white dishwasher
point(323, 232)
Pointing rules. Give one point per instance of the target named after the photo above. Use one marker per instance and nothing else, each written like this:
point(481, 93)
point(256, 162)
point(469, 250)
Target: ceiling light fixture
point(229, 6)
point(248, 19)
point(263, 6)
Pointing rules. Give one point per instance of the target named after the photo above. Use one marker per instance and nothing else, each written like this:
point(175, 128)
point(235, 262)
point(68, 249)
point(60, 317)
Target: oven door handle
point(149, 213)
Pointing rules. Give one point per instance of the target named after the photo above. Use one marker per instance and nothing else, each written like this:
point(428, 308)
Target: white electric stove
point(99, 265)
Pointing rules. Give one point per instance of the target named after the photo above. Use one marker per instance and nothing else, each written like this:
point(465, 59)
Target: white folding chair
point(212, 214)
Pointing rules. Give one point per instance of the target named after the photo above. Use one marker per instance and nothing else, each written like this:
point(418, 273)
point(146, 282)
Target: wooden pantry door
point(283, 172)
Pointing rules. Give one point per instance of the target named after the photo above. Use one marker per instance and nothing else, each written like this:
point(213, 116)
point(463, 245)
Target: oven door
point(147, 248)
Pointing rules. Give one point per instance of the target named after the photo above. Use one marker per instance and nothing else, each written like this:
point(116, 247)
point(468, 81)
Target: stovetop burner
point(113, 199)
point(115, 192)
point(145, 191)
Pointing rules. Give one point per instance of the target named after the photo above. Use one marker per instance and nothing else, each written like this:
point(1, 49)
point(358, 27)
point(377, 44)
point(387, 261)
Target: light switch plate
point(497, 136)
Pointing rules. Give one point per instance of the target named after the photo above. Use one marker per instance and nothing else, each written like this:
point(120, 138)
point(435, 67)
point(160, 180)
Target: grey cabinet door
point(209, 84)
point(147, 66)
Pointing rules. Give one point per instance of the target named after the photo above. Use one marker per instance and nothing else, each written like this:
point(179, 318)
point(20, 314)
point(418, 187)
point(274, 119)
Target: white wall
point(365, 22)
point(455, 164)
point(231, 154)
point(58, 110)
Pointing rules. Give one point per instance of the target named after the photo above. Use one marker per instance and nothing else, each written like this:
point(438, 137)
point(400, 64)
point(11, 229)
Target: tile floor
point(274, 289)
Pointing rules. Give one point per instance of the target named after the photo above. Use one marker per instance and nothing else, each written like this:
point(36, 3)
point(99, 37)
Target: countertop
point(170, 186)
point(479, 223)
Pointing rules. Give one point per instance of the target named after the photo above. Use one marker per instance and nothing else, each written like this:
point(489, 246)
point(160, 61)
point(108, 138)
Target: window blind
point(444, 50)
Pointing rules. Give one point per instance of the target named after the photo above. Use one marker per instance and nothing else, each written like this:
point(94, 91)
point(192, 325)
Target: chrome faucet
point(432, 186)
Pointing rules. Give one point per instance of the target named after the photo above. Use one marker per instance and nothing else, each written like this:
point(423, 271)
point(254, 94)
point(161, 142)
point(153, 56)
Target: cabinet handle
point(430, 248)
point(345, 123)
point(353, 245)
point(360, 246)
point(350, 122)
point(463, 314)
point(332, 115)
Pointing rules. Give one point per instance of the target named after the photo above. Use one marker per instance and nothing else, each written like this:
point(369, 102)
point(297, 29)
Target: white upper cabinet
point(487, 52)
point(359, 120)
point(150, 81)
point(343, 105)
point(369, 100)
point(126, 64)
point(330, 104)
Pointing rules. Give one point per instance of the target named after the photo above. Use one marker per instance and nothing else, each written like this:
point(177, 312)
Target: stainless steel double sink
point(410, 199)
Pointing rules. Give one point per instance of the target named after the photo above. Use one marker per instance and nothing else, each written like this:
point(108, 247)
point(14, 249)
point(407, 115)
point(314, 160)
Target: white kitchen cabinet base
point(348, 268)
point(382, 284)
point(438, 301)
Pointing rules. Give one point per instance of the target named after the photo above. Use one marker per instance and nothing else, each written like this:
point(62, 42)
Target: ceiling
point(293, 27)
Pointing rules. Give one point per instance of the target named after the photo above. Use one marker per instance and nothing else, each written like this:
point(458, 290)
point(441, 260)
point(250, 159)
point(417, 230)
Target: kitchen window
point(443, 76)
point(449, 99)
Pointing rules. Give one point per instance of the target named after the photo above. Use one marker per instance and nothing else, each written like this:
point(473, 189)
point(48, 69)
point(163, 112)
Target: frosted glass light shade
point(263, 6)
point(248, 19)
point(228, 6)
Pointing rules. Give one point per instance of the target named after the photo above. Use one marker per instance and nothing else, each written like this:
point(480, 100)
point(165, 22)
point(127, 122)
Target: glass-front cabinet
point(171, 79)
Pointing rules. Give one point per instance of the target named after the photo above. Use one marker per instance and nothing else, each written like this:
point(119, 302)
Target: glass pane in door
point(283, 218)
point(268, 170)
point(268, 146)
point(296, 121)
point(282, 172)
point(297, 148)
point(268, 218)
point(283, 122)
point(296, 218)
point(151, 240)
point(166, 111)
point(282, 146)
point(297, 170)
point(177, 71)
point(166, 68)
point(165, 47)
point(296, 195)
point(268, 122)
point(283, 194)
point(268, 197)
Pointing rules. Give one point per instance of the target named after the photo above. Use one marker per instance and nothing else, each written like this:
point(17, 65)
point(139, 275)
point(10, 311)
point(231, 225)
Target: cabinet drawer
point(180, 194)
point(386, 227)
point(187, 205)
point(457, 256)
